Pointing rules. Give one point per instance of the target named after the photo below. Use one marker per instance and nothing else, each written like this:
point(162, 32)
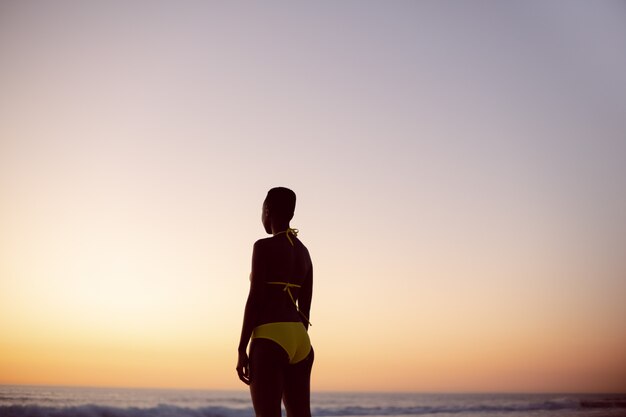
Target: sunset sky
point(460, 170)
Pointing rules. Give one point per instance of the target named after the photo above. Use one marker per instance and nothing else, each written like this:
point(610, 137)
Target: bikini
point(290, 335)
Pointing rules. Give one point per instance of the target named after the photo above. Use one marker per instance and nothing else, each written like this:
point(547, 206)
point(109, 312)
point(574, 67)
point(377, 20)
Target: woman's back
point(284, 260)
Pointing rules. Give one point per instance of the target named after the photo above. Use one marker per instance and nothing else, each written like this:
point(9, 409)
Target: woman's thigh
point(297, 391)
point(268, 361)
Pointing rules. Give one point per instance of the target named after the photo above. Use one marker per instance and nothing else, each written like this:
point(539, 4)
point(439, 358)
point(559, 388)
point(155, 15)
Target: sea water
point(40, 401)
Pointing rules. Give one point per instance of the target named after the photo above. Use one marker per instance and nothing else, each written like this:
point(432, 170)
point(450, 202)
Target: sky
point(460, 170)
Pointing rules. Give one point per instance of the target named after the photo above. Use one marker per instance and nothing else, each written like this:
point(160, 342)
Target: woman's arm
point(251, 312)
point(305, 296)
point(249, 315)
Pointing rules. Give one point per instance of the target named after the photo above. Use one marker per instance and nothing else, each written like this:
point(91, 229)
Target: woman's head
point(278, 207)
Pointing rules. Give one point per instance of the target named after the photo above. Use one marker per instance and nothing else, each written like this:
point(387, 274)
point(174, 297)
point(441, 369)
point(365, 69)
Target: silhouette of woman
point(276, 315)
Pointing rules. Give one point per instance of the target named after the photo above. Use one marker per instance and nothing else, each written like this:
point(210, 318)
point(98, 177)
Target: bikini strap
point(287, 288)
point(288, 232)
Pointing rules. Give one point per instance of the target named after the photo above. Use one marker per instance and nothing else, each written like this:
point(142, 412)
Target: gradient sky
point(460, 170)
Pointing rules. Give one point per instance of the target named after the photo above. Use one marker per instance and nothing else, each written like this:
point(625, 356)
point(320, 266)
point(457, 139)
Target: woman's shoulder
point(261, 243)
point(270, 243)
point(303, 246)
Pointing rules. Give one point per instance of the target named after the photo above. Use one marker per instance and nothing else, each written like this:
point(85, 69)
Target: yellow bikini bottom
point(290, 335)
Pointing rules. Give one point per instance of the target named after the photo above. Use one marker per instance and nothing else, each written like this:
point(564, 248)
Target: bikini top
point(288, 232)
point(287, 286)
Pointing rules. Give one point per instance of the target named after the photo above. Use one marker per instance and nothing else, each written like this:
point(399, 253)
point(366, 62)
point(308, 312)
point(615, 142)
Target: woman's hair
point(281, 202)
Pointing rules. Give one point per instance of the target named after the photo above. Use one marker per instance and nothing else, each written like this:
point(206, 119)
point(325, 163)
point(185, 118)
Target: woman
point(276, 315)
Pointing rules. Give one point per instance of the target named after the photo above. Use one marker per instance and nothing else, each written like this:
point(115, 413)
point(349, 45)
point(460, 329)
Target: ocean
point(40, 401)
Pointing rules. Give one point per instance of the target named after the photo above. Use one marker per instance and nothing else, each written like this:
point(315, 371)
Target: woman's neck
point(279, 227)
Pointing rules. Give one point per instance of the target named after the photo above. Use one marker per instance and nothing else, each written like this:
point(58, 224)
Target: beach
point(49, 401)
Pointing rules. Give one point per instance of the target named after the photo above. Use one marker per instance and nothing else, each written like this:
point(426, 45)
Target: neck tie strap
point(288, 232)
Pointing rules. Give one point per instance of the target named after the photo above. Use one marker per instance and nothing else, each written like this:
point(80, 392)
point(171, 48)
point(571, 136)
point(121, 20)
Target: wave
point(164, 410)
point(451, 409)
point(604, 403)
point(93, 410)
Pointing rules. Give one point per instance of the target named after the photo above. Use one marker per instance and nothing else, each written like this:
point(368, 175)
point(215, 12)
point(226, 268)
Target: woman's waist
point(278, 314)
point(279, 329)
point(283, 319)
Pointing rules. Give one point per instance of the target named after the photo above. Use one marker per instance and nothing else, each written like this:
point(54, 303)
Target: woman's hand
point(243, 368)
